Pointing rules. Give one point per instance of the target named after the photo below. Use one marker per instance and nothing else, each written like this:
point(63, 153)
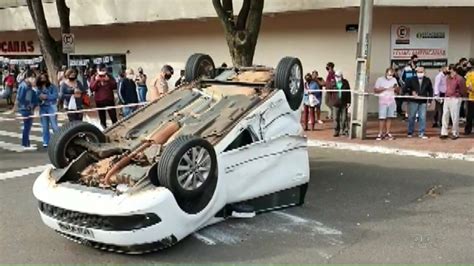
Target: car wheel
point(62, 150)
point(188, 166)
point(198, 66)
point(289, 78)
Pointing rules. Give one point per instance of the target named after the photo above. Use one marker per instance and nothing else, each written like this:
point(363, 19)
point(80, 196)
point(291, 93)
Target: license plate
point(76, 230)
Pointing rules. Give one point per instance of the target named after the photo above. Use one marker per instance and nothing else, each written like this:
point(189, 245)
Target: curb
point(391, 151)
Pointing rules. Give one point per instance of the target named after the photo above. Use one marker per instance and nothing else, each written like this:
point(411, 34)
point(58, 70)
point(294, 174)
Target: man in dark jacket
point(339, 99)
point(128, 92)
point(103, 86)
point(419, 86)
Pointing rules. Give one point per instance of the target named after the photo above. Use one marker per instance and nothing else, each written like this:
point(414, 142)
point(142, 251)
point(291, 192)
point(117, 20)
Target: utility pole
point(358, 126)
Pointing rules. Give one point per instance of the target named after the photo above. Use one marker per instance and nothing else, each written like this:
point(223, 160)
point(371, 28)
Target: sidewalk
point(323, 137)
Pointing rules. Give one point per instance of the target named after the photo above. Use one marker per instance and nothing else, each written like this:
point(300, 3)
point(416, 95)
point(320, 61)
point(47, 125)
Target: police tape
point(65, 113)
point(436, 98)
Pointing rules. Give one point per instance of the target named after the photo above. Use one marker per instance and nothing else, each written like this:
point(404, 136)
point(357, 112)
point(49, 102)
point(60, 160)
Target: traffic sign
point(68, 43)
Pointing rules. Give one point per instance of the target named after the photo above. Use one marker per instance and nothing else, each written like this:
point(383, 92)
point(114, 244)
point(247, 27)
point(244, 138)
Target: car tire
point(62, 150)
point(289, 78)
point(199, 65)
point(182, 162)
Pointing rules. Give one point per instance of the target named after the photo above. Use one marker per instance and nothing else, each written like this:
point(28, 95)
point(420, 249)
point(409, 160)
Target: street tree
point(50, 47)
point(241, 31)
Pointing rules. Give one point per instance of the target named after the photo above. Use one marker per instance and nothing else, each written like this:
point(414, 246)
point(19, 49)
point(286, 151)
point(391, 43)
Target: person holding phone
point(386, 87)
point(103, 86)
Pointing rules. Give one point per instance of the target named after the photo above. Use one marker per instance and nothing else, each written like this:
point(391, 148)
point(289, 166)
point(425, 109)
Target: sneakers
point(30, 148)
point(410, 136)
point(454, 137)
point(423, 136)
point(379, 137)
point(389, 136)
point(320, 122)
point(386, 136)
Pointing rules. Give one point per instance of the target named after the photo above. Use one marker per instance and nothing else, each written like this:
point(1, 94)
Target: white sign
point(68, 43)
point(428, 42)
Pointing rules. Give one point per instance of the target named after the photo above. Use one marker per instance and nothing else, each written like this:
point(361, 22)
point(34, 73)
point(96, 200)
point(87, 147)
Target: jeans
point(399, 102)
point(127, 111)
point(413, 109)
point(341, 124)
point(142, 91)
point(27, 124)
point(46, 121)
point(451, 109)
point(103, 115)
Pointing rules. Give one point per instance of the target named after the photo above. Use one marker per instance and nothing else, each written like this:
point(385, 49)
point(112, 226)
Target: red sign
point(17, 46)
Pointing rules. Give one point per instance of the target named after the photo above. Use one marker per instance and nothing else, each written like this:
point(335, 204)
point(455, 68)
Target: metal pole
point(68, 61)
point(359, 104)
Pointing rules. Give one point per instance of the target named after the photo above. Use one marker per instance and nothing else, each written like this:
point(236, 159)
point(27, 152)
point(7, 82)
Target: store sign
point(15, 61)
point(429, 42)
point(17, 47)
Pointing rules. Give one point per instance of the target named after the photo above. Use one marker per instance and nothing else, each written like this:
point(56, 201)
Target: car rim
point(205, 69)
point(295, 79)
point(194, 168)
point(71, 151)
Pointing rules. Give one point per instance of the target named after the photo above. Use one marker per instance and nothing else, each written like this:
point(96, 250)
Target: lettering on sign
point(17, 46)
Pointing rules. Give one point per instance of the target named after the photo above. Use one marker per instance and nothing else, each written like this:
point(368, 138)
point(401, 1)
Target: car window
point(246, 137)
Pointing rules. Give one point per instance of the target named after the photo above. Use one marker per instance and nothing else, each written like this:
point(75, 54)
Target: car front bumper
point(92, 216)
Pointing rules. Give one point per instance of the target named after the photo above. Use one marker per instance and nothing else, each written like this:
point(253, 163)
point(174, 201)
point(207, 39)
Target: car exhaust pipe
point(158, 137)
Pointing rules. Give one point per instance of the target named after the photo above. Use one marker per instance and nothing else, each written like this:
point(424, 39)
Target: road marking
point(11, 146)
point(206, 240)
point(316, 226)
point(19, 136)
point(6, 119)
point(23, 172)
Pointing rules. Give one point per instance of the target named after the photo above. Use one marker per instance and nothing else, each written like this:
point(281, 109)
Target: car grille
point(131, 250)
point(106, 223)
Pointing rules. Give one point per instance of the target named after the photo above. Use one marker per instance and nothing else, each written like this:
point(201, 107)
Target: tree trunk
point(241, 33)
point(51, 50)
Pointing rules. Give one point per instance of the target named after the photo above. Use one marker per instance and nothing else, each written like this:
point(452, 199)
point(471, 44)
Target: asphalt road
point(360, 208)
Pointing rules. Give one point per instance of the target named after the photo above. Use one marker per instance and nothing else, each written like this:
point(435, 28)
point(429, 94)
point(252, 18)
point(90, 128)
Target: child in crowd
point(76, 104)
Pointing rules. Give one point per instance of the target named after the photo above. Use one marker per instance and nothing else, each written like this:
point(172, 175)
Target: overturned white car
point(226, 144)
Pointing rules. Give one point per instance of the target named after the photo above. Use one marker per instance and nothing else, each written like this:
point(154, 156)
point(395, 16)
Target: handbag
point(313, 101)
point(86, 100)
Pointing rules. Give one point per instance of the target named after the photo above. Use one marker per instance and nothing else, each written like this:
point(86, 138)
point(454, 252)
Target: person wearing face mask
point(67, 88)
point(455, 90)
point(470, 103)
point(160, 84)
point(385, 88)
point(309, 102)
point(340, 100)
point(103, 86)
point(27, 102)
point(128, 92)
point(439, 91)
point(48, 98)
point(420, 86)
point(141, 85)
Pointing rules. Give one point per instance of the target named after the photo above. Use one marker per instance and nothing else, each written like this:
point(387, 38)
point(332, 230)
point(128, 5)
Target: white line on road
point(204, 239)
point(316, 226)
point(11, 146)
point(23, 172)
point(19, 136)
point(6, 119)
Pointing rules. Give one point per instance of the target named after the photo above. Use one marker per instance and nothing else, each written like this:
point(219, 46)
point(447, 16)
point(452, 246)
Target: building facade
point(151, 33)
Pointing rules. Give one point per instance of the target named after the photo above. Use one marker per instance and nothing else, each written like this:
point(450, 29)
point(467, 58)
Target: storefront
point(437, 35)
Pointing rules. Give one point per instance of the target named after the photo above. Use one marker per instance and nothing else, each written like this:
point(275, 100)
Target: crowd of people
point(78, 90)
point(408, 88)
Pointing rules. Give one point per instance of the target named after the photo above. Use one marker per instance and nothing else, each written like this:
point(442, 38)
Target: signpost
point(68, 45)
